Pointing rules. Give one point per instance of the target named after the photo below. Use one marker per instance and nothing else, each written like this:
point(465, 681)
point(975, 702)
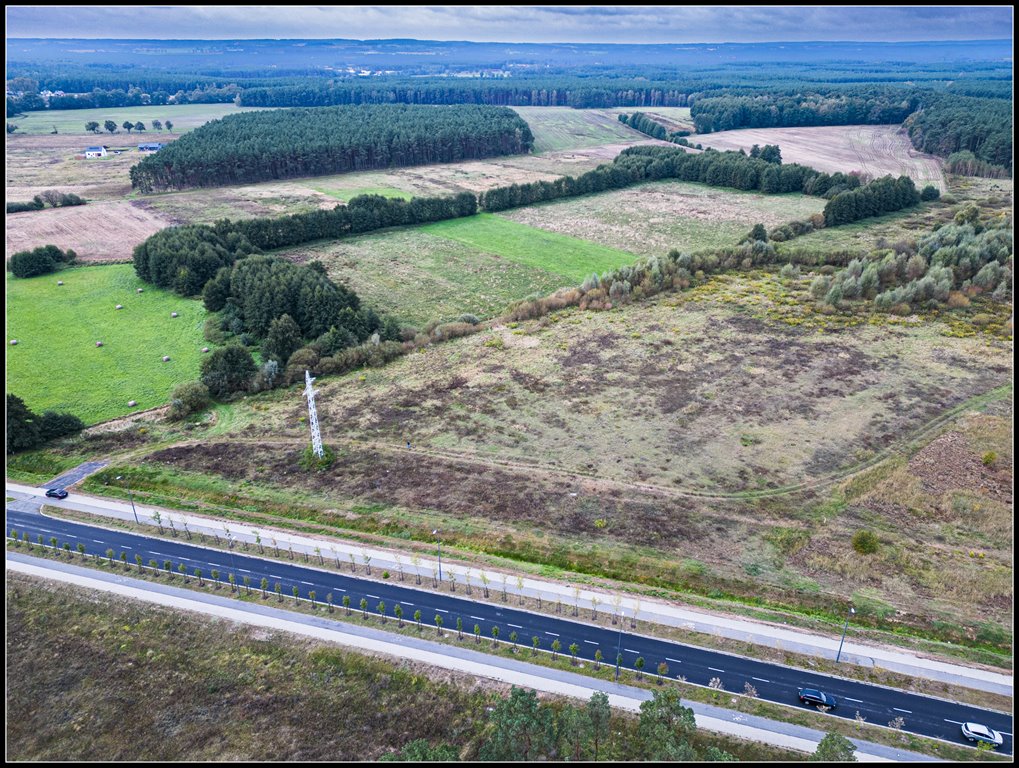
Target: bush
point(39, 261)
point(227, 370)
point(53, 425)
point(468, 318)
point(989, 458)
point(865, 542)
point(930, 193)
point(188, 398)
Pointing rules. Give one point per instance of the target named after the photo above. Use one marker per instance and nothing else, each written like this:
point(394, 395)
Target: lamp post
point(844, 629)
point(438, 541)
point(131, 496)
point(619, 646)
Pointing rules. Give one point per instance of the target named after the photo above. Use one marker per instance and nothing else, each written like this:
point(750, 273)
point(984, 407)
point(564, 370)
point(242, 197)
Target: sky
point(517, 24)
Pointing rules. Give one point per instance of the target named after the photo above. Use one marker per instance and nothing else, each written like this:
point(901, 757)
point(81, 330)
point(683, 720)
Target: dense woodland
point(281, 144)
point(949, 123)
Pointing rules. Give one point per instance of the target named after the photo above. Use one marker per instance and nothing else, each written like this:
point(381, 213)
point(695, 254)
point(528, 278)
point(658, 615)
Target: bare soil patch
point(949, 463)
point(873, 150)
point(100, 231)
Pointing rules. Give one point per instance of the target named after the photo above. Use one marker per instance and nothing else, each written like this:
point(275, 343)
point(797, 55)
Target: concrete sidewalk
point(643, 609)
point(464, 660)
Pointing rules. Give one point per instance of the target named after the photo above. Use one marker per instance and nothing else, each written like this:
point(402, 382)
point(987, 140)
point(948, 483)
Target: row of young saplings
point(380, 609)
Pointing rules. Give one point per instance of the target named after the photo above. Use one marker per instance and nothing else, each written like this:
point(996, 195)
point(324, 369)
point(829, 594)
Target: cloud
point(517, 24)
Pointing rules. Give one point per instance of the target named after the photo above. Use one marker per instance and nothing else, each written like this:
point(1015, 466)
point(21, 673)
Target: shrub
point(865, 542)
point(989, 458)
point(188, 398)
point(467, 317)
point(227, 370)
point(39, 261)
point(53, 425)
point(930, 193)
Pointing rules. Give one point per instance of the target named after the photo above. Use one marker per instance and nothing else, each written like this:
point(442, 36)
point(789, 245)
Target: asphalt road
point(922, 715)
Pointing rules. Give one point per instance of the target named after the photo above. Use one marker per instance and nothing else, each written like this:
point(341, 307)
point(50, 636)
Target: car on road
point(817, 698)
point(56, 493)
point(982, 734)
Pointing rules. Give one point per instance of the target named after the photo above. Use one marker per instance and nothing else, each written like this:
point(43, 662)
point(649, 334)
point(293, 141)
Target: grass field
point(56, 364)
point(185, 117)
point(420, 276)
point(559, 128)
point(569, 257)
point(651, 219)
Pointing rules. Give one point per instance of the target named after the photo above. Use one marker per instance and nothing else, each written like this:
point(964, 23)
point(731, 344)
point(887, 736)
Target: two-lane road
point(878, 705)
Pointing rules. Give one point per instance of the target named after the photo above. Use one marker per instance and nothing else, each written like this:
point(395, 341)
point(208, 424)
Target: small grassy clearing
point(185, 117)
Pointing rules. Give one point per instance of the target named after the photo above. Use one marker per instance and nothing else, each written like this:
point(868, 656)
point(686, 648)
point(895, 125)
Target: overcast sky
point(518, 24)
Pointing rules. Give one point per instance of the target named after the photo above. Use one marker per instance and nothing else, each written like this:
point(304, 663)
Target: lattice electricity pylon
point(316, 438)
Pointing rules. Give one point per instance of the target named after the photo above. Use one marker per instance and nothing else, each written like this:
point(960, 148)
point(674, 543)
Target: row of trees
point(103, 98)
point(823, 107)
point(521, 728)
point(40, 261)
point(965, 163)
point(92, 126)
point(26, 430)
point(647, 125)
point(281, 144)
point(880, 196)
point(50, 197)
point(184, 259)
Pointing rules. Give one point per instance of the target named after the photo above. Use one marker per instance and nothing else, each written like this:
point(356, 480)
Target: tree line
point(641, 122)
point(879, 197)
point(280, 144)
point(183, 259)
point(40, 261)
point(50, 197)
point(26, 430)
point(822, 107)
point(949, 123)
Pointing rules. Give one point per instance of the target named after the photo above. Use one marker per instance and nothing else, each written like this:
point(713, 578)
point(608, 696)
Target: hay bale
point(14, 342)
point(60, 282)
point(140, 290)
point(131, 403)
point(166, 358)
point(99, 343)
point(173, 314)
point(120, 306)
point(205, 349)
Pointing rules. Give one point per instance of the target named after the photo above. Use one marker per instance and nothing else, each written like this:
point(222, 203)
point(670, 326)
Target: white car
point(981, 733)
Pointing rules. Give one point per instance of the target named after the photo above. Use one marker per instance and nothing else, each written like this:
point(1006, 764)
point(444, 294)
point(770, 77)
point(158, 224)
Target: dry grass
point(873, 150)
point(100, 231)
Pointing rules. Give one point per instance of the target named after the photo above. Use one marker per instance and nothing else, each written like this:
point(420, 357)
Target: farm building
point(149, 147)
point(91, 152)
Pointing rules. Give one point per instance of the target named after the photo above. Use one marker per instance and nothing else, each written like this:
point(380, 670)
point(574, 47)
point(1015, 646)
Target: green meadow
point(56, 364)
point(563, 255)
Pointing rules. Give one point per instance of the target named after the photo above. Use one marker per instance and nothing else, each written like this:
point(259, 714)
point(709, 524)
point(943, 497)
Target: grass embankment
point(525, 650)
point(149, 683)
point(56, 364)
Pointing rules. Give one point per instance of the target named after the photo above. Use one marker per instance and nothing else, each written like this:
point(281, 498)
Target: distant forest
point(952, 97)
point(281, 144)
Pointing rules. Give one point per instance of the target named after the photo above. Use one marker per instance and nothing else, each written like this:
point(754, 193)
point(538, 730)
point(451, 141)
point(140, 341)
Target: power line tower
point(316, 438)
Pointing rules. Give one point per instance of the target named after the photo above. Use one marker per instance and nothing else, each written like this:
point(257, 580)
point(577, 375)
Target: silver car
point(981, 733)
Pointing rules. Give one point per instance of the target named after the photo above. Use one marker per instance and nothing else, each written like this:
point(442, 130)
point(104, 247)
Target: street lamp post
point(619, 647)
point(130, 496)
point(852, 611)
point(438, 541)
